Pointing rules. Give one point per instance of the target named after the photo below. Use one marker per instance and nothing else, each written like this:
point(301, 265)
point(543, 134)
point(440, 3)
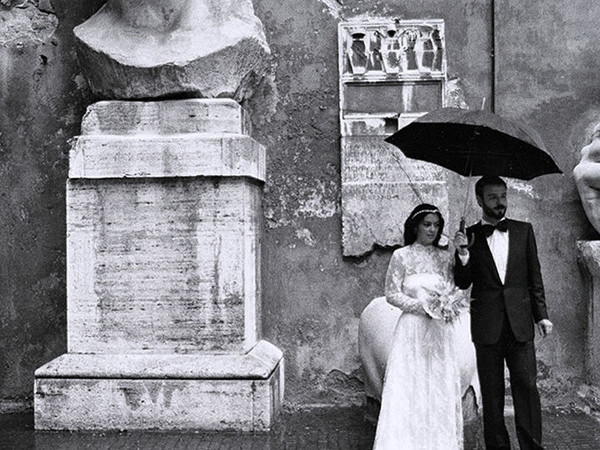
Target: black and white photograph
point(299, 225)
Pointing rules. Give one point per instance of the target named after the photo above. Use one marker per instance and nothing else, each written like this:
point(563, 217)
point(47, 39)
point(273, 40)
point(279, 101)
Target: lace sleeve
point(393, 287)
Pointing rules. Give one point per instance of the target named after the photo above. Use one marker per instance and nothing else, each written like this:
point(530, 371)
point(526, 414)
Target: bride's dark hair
point(415, 218)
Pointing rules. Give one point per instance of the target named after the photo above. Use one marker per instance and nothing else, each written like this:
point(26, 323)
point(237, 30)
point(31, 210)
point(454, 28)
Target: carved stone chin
point(153, 48)
point(587, 180)
point(153, 14)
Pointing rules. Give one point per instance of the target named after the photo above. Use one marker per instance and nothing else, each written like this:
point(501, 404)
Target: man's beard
point(496, 213)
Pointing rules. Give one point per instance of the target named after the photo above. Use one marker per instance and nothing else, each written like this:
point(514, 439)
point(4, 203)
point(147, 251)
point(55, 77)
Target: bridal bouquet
point(445, 301)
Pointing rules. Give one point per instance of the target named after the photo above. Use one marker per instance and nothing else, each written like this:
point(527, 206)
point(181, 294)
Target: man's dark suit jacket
point(521, 295)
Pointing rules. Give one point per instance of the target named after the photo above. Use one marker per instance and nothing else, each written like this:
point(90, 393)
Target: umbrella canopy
point(475, 143)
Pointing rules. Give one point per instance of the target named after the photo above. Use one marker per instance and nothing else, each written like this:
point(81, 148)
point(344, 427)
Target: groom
point(506, 299)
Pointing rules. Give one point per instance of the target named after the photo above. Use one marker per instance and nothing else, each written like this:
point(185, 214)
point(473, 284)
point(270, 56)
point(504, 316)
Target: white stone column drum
point(163, 275)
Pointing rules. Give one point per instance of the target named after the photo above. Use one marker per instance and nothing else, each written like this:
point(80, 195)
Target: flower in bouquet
point(445, 302)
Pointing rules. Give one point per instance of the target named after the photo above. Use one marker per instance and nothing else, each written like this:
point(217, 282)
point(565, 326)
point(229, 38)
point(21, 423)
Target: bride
point(421, 404)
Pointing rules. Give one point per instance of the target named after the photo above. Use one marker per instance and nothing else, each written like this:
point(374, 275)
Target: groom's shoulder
point(520, 227)
point(473, 227)
point(519, 223)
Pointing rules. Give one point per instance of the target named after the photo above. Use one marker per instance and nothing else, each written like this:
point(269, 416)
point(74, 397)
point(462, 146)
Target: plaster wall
point(313, 296)
point(546, 77)
point(546, 58)
point(42, 100)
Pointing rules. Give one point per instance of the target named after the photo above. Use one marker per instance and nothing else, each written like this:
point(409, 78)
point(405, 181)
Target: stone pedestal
point(589, 261)
point(163, 281)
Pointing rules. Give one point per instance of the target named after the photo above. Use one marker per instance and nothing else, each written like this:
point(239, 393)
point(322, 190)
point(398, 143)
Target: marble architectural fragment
point(391, 72)
point(587, 179)
point(173, 48)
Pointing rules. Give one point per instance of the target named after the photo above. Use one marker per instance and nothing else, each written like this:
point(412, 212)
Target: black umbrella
point(475, 143)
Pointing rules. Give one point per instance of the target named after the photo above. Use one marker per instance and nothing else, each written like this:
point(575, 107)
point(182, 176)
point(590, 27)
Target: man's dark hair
point(415, 218)
point(487, 180)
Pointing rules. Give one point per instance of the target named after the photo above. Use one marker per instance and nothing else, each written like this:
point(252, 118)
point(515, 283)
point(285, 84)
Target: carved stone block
point(379, 189)
point(150, 49)
point(169, 265)
point(162, 229)
point(391, 72)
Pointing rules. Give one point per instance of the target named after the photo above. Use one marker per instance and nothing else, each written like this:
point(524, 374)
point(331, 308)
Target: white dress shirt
point(498, 243)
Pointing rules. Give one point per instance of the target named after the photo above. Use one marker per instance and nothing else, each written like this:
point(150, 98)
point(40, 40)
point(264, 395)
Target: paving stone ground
point(323, 428)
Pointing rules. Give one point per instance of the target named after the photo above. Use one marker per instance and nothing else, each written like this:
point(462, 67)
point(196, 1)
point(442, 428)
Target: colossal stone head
point(587, 178)
point(140, 49)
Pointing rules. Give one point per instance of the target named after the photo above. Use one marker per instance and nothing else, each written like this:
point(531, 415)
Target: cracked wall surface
point(23, 21)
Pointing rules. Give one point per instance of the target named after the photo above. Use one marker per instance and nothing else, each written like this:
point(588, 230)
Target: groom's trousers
point(521, 362)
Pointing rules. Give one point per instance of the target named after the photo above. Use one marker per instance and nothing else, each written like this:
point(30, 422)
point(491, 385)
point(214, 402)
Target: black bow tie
point(489, 229)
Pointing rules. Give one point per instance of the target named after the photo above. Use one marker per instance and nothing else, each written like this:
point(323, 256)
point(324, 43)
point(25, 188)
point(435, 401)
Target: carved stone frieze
point(395, 49)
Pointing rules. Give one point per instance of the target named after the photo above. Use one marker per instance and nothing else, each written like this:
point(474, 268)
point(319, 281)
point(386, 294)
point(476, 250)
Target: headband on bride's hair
point(425, 211)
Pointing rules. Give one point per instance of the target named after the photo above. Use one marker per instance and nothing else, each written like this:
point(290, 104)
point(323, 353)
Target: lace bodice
point(414, 271)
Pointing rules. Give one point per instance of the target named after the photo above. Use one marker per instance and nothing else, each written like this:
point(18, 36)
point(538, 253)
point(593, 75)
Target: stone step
point(258, 363)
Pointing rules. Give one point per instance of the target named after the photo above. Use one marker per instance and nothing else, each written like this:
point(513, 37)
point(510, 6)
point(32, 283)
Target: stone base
point(161, 392)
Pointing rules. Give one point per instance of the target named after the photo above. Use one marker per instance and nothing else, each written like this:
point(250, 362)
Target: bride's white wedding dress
point(421, 401)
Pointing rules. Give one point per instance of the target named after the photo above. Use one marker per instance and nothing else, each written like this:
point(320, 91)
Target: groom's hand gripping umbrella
point(475, 143)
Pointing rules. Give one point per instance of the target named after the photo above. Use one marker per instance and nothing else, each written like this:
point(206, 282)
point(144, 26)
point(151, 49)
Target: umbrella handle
point(463, 229)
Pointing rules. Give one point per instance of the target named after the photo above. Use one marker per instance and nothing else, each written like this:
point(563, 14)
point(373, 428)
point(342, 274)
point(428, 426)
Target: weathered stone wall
point(42, 100)
point(545, 60)
point(547, 57)
point(546, 77)
point(313, 296)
